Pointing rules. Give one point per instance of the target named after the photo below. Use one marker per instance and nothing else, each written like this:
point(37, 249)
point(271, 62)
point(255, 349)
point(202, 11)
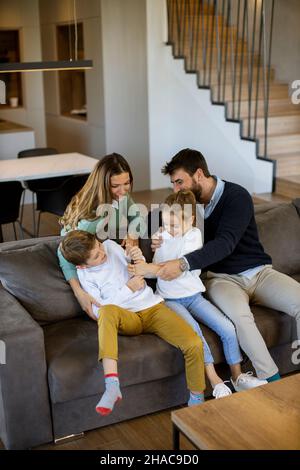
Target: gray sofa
point(51, 380)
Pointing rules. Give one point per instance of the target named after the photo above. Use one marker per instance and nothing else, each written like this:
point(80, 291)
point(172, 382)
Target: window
point(71, 82)
point(10, 52)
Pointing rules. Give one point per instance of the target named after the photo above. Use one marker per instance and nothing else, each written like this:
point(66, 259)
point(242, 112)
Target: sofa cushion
point(72, 352)
point(279, 232)
point(73, 368)
point(32, 274)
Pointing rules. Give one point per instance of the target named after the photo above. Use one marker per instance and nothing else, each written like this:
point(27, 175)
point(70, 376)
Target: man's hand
point(169, 270)
point(138, 269)
point(136, 283)
point(86, 300)
point(156, 240)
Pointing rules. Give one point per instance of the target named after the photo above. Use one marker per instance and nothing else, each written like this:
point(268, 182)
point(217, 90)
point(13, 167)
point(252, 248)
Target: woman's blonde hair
point(96, 191)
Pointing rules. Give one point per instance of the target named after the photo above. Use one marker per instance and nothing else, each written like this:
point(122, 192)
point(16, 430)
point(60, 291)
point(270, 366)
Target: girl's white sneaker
point(221, 390)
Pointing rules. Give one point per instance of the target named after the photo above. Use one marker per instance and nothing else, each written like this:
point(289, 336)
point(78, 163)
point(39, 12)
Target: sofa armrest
point(25, 418)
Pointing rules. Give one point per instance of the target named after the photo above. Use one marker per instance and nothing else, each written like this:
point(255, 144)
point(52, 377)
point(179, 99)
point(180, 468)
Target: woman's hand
point(86, 301)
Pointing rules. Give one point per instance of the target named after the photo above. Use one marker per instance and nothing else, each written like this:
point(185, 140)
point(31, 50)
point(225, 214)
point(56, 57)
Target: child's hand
point(138, 269)
point(156, 240)
point(136, 283)
point(135, 253)
point(128, 243)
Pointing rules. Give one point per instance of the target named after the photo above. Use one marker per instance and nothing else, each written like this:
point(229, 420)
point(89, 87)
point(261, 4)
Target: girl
point(184, 294)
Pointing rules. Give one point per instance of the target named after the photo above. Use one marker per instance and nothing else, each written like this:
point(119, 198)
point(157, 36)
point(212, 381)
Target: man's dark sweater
point(231, 243)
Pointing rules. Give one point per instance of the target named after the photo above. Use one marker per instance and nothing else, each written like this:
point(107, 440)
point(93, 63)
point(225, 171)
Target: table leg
point(176, 438)
point(1, 234)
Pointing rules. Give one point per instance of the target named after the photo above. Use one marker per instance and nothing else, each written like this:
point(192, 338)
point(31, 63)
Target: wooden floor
point(151, 432)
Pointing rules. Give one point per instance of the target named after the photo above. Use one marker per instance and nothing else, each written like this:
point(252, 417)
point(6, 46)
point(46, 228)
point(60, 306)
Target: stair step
point(277, 107)
point(230, 75)
point(205, 7)
point(205, 34)
point(202, 38)
point(280, 144)
point(288, 186)
point(276, 125)
point(194, 18)
point(215, 50)
point(199, 65)
point(287, 164)
point(276, 91)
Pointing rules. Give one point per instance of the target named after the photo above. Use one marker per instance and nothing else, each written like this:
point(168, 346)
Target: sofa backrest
point(279, 232)
point(29, 270)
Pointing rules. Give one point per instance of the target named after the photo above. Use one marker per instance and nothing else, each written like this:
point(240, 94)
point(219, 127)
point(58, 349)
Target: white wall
point(24, 15)
point(286, 40)
point(125, 84)
point(65, 133)
point(181, 115)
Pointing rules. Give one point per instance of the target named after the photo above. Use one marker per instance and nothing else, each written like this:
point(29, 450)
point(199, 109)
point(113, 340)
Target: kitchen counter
point(8, 126)
point(14, 138)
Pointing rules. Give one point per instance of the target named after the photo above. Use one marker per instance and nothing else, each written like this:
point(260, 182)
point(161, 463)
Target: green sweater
point(126, 210)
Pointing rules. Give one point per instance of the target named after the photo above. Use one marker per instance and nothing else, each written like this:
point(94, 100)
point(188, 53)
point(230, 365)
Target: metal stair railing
point(228, 44)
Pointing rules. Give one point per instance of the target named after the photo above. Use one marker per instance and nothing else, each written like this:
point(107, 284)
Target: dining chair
point(55, 200)
point(39, 184)
point(10, 197)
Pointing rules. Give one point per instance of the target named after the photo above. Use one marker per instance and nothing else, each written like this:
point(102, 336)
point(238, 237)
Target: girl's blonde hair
point(96, 191)
point(179, 202)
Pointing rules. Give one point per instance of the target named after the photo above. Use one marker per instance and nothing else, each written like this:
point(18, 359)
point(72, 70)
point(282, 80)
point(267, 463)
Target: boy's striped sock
point(196, 399)
point(111, 395)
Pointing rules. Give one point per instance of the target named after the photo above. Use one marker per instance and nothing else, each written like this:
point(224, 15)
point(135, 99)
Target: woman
point(103, 206)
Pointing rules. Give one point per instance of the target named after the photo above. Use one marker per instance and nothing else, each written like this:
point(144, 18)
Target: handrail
point(228, 43)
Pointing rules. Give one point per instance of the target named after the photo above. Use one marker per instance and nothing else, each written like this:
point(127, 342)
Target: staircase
point(227, 44)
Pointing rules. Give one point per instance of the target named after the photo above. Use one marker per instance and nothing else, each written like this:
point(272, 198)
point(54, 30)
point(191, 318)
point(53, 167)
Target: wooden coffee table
point(264, 418)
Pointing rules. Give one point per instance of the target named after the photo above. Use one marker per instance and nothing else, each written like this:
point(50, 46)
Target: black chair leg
point(22, 206)
point(21, 229)
point(33, 215)
point(38, 224)
point(15, 231)
point(1, 234)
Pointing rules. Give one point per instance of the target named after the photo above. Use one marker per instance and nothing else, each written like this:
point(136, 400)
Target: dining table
point(47, 166)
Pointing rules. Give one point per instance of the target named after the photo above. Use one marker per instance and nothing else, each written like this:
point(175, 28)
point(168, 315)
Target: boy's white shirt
point(189, 283)
point(107, 282)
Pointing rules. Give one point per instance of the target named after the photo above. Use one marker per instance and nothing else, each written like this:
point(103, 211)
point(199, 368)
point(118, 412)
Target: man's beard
point(197, 190)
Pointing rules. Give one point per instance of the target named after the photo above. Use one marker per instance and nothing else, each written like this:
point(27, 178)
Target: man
point(238, 269)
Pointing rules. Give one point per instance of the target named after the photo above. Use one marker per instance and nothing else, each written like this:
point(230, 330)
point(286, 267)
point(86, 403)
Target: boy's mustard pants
point(158, 320)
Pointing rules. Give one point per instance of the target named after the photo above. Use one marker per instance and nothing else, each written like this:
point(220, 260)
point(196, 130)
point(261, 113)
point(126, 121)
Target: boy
point(129, 307)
